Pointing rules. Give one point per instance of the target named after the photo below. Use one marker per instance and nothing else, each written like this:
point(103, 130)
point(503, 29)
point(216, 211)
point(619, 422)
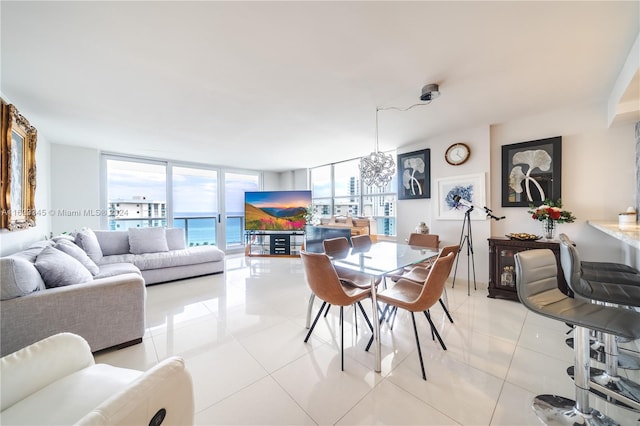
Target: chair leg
point(327, 311)
point(434, 330)
point(381, 320)
point(446, 311)
point(314, 322)
point(364, 314)
point(341, 339)
point(415, 331)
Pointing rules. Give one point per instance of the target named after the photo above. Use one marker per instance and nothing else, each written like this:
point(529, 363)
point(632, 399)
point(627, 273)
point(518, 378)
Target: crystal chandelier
point(377, 168)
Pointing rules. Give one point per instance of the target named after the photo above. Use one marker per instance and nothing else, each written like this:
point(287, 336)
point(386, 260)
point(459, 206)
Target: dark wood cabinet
point(502, 275)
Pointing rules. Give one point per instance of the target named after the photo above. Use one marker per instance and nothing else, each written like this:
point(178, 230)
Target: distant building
point(137, 212)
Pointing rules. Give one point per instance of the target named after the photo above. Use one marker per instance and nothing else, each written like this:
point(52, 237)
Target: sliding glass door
point(195, 204)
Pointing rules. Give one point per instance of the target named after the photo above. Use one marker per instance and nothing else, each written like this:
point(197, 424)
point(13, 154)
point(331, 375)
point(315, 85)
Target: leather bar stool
point(602, 272)
point(537, 285)
point(594, 285)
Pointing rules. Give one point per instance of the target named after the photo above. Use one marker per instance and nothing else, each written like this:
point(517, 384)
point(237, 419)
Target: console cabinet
point(274, 243)
point(502, 275)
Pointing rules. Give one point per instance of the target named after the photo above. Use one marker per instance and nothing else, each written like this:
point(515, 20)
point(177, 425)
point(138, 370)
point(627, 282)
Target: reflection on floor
point(241, 334)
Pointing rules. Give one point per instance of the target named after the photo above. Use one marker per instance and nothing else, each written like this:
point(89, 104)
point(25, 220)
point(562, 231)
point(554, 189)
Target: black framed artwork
point(531, 172)
point(414, 175)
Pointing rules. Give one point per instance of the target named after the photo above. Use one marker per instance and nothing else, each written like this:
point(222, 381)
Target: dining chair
point(408, 295)
point(361, 243)
point(338, 248)
point(419, 274)
point(326, 285)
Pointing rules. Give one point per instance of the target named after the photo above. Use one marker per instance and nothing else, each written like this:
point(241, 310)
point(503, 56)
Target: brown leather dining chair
point(408, 295)
point(339, 247)
point(327, 286)
point(361, 243)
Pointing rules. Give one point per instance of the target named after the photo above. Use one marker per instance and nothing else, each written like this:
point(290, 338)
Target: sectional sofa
point(92, 284)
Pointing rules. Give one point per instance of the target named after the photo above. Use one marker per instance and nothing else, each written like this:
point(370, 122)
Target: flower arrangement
point(551, 211)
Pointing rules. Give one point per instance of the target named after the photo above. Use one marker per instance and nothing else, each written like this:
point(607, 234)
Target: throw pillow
point(147, 240)
point(113, 242)
point(18, 277)
point(87, 241)
point(78, 254)
point(175, 239)
point(59, 269)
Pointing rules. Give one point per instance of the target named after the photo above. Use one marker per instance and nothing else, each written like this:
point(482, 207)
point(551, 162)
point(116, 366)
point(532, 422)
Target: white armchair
point(56, 381)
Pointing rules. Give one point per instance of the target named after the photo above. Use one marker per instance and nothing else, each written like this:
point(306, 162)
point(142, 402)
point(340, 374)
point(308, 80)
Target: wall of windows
point(147, 193)
point(338, 190)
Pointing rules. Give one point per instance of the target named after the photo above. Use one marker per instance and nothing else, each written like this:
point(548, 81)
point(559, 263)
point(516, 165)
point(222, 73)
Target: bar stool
point(537, 285)
point(591, 285)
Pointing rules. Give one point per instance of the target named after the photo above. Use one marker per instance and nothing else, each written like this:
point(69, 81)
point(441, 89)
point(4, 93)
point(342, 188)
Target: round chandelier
point(377, 168)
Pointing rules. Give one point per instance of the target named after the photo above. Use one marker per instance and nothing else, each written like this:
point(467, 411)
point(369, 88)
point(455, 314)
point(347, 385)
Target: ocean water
point(200, 228)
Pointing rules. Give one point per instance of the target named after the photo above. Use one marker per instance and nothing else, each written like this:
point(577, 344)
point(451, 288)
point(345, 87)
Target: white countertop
point(630, 234)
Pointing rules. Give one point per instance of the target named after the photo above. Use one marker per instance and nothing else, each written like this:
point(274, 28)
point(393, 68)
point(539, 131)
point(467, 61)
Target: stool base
point(555, 410)
point(618, 391)
point(628, 362)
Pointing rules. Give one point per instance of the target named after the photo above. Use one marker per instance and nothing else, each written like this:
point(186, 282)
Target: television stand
point(274, 243)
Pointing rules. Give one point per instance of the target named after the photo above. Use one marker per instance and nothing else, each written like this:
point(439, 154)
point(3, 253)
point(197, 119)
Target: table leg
point(376, 327)
point(310, 308)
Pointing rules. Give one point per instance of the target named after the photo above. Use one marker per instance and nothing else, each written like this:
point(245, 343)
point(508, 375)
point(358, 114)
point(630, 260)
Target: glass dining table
point(381, 259)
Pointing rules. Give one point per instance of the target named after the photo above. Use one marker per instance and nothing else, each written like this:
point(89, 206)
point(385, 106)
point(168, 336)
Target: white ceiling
point(285, 85)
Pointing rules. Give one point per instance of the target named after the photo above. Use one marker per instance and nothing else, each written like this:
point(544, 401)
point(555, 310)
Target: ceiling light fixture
point(379, 168)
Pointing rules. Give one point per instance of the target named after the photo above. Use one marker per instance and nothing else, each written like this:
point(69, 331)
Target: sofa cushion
point(113, 242)
point(78, 254)
point(59, 269)
point(64, 237)
point(190, 256)
point(117, 258)
point(113, 269)
point(18, 277)
point(147, 240)
point(175, 239)
point(87, 241)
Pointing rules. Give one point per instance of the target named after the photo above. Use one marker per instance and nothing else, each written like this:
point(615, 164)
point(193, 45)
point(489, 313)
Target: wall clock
point(457, 153)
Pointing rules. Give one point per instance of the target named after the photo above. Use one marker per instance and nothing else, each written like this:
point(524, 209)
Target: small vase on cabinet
point(549, 229)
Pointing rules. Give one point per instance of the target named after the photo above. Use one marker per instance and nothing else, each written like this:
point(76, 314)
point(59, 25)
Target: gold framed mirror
point(18, 176)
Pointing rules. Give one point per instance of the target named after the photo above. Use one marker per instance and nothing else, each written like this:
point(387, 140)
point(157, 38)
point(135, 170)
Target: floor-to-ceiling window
point(338, 190)
point(136, 193)
point(235, 185)
point(195, 204)
point(146, 193)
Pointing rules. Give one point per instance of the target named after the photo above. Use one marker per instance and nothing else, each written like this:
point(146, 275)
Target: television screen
point(276, 210)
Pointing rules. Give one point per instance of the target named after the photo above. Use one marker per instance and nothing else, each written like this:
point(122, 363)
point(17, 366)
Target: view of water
point(200, 228)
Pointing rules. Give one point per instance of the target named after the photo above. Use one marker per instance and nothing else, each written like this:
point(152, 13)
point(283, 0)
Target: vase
point(549, 229)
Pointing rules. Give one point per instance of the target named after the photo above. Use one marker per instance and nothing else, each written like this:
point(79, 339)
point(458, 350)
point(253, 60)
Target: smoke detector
point(430, 92)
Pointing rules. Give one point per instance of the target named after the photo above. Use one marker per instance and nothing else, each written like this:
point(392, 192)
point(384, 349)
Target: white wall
point(75, 188)
point(598, 174)
point(12, 241)
point(411, 212)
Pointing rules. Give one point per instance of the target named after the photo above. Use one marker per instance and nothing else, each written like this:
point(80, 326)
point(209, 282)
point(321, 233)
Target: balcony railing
point(198, 230)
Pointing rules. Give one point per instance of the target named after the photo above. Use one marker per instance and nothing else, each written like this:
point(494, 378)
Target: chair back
point(424, 240)
point(336, 247)
point(434, 284)
point(571, 267)
point(537, 279)
point(361, 243)
point(323, 279)
point(455, 249)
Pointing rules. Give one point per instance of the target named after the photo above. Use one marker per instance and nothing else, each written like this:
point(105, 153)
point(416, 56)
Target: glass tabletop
point(384, 257)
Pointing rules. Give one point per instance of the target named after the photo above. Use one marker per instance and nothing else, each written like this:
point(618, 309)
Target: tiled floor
point(241, 334)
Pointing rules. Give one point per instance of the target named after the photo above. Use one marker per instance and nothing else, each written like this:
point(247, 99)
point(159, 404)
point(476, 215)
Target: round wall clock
point(457, 153)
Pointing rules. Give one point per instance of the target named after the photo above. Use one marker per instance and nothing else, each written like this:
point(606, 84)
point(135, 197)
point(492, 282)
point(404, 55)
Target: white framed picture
point(470, 188)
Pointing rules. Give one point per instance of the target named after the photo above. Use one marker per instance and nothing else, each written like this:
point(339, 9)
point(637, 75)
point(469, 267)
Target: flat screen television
point(276, 210)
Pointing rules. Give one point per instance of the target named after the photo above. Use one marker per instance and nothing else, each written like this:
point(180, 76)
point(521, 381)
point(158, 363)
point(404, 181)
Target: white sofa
point(160, 254)
point(56, 382)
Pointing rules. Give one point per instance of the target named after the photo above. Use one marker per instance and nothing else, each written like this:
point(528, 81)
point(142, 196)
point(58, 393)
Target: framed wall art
point(470, 188)
point(414, 175)
point(18, 176)
point(531, 172)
